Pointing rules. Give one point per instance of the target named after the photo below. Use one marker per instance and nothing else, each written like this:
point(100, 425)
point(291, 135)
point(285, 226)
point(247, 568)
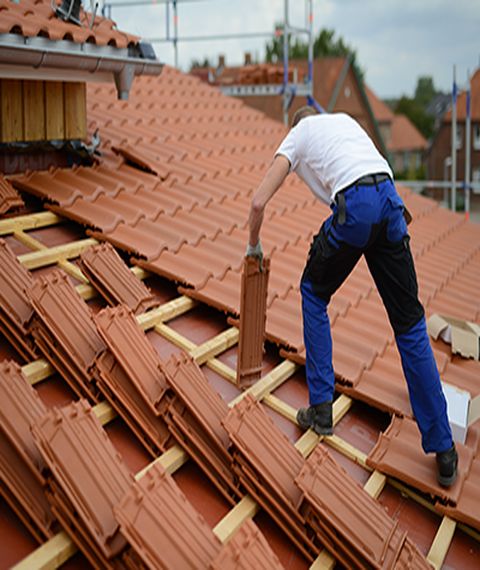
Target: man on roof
point(342, 167)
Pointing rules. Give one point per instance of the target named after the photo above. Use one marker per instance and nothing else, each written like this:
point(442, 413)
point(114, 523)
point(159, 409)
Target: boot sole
point(447, 481)
point(322, 431)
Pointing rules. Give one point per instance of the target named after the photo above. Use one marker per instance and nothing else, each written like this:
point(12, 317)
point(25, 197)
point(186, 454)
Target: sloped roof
point(381, 110)
point(405, 136)
point(35, 18)
point(474, 101)
point(176, 201)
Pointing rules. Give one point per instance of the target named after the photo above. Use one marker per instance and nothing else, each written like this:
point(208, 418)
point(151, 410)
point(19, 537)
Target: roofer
point(340, 164)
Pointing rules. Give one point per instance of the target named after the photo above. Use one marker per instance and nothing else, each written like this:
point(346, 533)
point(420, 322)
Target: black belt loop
point(342, 208)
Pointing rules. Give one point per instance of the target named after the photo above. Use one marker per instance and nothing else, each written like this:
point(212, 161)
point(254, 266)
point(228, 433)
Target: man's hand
point(255, 251)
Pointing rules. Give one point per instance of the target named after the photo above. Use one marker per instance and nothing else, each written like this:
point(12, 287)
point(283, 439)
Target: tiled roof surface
point(381, 110)
point(405, 136)
point(32, 18)
point(186, 219)
point(474, 101)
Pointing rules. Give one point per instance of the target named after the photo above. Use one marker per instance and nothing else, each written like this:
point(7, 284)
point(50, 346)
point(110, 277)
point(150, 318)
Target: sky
point(396, 40)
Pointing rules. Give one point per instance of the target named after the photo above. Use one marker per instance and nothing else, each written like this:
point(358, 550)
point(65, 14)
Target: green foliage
point(417, 115)
point(425, 91)
point(325, 44)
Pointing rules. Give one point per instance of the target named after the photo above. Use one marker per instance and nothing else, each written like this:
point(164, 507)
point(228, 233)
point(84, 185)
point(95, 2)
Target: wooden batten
point(75, 108)
point(33, 111)
point(11, 110)
point(54, 115)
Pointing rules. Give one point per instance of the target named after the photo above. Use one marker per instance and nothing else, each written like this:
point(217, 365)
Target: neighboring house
point(337, 87)
point(45, 63)
point(406, 146)
point(439, 154)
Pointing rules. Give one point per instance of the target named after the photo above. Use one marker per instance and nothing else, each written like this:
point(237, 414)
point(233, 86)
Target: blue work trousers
point(369, 220)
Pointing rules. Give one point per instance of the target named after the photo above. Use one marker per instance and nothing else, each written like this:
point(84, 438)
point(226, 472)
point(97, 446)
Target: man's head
point(301, 113)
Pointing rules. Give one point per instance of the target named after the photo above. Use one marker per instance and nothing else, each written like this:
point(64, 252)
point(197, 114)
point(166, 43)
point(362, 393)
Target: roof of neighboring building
point(474, 101)
point(381, 110)
point(36, 18)
point(172, 191)
point(405, 136)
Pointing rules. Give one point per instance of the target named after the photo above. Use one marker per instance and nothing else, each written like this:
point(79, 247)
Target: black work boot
point(447, 466)
point(318, 417)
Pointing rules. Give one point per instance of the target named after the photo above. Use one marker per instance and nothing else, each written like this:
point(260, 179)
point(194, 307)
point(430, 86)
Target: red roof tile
point(71, 440)
point(381, 110)
point(65, 332)
point(107, 272)
point(405, 136)
point(163, 527)
point(349, 522)
point(253, 305)
point(21, 464)
point(398, 452)
point(132, 350)
point(15, 307)
point(32, 18)
point(9, 198)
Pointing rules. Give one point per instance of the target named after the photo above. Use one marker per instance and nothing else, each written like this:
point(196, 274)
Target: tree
point(198, 64)
point(417, 114)
point(325, 44)
point(425, 91)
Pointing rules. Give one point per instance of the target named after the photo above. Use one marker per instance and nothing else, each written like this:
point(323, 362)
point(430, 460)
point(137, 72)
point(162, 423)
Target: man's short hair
point(301, 113)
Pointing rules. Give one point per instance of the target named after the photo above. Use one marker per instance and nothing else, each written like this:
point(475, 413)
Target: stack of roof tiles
point(307, 501)
point(107, 272)
point(21, 465)
point(71, 440)
point(64, 331)
point(167, 532)
point(15, 307)
point(9, 197)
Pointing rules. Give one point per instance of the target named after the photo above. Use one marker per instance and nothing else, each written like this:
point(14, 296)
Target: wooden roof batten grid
point(60, 548)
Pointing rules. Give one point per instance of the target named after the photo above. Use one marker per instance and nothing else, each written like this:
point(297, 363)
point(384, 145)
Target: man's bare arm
point(271, 182)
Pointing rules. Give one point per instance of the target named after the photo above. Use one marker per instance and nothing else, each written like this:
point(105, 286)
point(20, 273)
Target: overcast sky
point(396, 40)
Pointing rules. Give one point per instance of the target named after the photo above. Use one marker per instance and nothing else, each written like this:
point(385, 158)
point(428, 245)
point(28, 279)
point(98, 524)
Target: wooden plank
point(222, 370)
point(441, 542)
point(165, 312)
point(171, 460)
point(104, 412)
point(75, 109)
point(324, 561)
point(51, 255)
point(347, 450)
point(216, 345)
point(38, 370)
point(54, 111)
point(51, 554)
point(269, 382)
point(245, 509)
point(11, 110)
point(33, 110)
point(28, 222)
point(375, 484)
point(36, 245)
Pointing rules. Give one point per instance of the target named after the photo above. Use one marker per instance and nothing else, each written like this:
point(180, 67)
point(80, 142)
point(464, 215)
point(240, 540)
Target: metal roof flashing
point(49, 60)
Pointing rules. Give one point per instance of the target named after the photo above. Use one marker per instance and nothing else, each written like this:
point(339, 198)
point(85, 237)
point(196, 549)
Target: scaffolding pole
point(468, 130)
point(454, 143)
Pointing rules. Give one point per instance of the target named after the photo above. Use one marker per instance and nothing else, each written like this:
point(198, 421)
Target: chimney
point(221, 61)
point(248, 58)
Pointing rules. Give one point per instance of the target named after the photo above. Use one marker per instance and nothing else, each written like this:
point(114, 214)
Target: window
point(476, 136)
point(459, 137)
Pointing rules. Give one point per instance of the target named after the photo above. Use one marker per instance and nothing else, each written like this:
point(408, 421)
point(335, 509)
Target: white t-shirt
point(329, 152)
